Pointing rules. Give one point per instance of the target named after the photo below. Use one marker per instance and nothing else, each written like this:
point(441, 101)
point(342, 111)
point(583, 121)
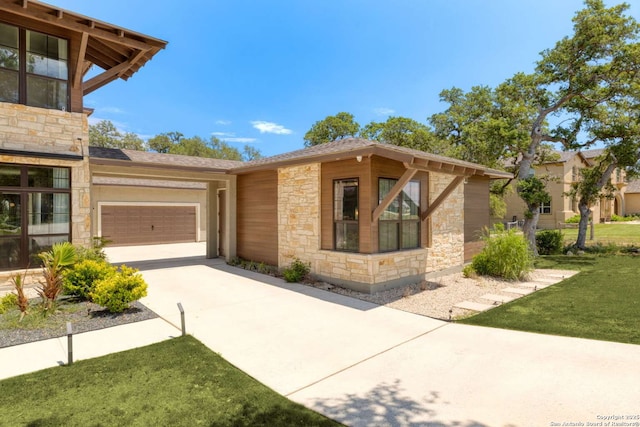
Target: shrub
point(573, 220)
point(80, 280)
point(54, 263)
point(95, 252)
point(506, 254)
point(118, 290)
point(297, 271)
point(7, 302)
point(549, 242)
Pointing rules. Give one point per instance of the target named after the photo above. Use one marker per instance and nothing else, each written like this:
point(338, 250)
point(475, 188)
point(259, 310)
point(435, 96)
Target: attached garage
point(148, 224)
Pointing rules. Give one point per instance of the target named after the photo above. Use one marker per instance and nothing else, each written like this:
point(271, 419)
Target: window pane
point(9, 176)
point(384, 187)
point(8, 35)
point(48, 213)
point(8, 58)
point(48, 177)
point(410, 234)
point(46, 93)
point(9, 86)
point(9, 214)
point(9, 253)
point(47, 46)
point(347, 236)
point(388, 235)
point(43, 66)
point(346, 200)
point(411, 201)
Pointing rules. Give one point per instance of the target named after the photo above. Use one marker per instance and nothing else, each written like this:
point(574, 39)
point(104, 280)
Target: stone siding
point(39, 130)
point(299, 237)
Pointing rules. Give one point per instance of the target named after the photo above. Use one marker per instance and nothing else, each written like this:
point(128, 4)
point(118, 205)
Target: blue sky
point(261, 72)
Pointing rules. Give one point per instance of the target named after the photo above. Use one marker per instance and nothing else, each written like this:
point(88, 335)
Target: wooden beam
point(79, 71)
point(442, 197)
point(384, 204)
point(104, 78)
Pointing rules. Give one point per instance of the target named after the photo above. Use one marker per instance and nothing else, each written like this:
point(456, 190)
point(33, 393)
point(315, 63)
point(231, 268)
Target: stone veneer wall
point(447, 225)
point(299, 236)
point(31, 129)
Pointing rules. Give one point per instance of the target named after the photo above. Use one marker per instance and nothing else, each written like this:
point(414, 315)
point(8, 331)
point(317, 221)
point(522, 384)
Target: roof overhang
point(119, 52)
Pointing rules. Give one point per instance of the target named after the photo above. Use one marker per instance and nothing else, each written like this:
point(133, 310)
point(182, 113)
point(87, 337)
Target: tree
point(162, 143)
point(404, 132)
point(331, 128)
point(105, 134)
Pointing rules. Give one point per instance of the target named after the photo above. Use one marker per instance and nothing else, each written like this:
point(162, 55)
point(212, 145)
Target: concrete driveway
point(367, 365)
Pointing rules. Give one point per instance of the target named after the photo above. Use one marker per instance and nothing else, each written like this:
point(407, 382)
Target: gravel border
point(90, 317)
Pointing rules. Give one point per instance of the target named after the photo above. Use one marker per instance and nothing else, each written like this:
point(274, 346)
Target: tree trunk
point(585, 212)
point(529, 228)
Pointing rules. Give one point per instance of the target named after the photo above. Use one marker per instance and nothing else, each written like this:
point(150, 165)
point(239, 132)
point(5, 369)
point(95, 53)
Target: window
point(545, 208)
point(34, 68)
point(399, 224)
point(345, 215)
point(35, 212)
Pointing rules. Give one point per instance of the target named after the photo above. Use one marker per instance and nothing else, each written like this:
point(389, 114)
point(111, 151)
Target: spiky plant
point(54, 262)
point(23, 302)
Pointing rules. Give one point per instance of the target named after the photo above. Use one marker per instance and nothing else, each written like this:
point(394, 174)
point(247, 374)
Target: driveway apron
point(364, 365)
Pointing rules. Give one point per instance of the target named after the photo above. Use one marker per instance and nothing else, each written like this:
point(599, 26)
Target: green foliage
point(497, 206)
point(626, 218)
point(573, 220)
point(95, 252)
point(533, 191)
point(506, 254)
point(405, 132)
point(105, 134)
point(7, 302)
point(115, 292)
point(80, 280)
point(549, 242)
point(331, 128)
point(297, 271)
point(54, 263)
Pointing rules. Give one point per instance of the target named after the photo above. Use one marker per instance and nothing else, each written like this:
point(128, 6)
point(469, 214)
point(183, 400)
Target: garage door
point(143, 225)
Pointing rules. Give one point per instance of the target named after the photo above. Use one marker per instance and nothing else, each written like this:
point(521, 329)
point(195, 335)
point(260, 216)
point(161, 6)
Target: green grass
point(601, 302)
point(173, 383)
point(619, 233)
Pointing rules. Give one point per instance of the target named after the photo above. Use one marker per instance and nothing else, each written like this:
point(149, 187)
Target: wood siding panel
point(476, 207)
point(257, 217)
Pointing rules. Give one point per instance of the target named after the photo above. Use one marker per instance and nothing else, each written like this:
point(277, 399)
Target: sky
point(262, 72)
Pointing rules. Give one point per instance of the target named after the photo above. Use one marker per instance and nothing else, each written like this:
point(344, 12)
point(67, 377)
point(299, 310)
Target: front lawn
point(601, 302)
point(178, 382)
point(618, 233)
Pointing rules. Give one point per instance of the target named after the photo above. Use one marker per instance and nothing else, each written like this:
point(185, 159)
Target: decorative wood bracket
point(384, 204)
point(442, 197)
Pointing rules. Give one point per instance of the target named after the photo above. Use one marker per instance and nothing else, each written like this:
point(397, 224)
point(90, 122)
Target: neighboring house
point(562, 173)
point(362, 214)
point(632, 198)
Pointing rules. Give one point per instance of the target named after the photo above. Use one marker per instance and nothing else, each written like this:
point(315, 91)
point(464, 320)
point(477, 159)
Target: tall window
point(399, 224)
point(345, 214)
point(35, 212)
point(34, 68)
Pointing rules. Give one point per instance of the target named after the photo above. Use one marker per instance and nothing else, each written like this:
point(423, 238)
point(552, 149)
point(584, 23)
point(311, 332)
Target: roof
point(353, 147)
point(633, 186)
point(592, 154)
point(118, 51)
point(100, 155)
point(152, 183)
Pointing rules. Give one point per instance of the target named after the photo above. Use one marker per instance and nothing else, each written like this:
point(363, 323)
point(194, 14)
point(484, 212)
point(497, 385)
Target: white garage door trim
point(177, 204)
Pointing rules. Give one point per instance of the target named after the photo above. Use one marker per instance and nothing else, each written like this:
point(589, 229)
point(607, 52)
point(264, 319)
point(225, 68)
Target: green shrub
point(297, 271)
point(549, 242)
point(506, 254)
point(95, 252)
point(81, 279)
point(8, 302)
point(573, 220)
point(117, 291)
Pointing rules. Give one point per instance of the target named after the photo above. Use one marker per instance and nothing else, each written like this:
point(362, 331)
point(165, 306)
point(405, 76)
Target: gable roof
point(353, 147)
point(118, 51)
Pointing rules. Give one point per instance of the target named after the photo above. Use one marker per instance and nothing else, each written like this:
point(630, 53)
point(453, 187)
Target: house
point(562, 172)
point(363, 214)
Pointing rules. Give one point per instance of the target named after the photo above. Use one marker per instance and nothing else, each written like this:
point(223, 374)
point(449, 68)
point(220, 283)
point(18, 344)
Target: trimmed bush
point(573, 220)
point(549, 242)
point(80, 280)
point(117, 291)
point(8, 302)
point(506, 254)
point(296, 272)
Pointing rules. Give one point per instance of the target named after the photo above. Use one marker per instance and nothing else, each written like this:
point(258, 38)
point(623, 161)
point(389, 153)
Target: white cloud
point(241, 140)
point(270, 127)
point(382, 111)
point(222, 122)
point(222, 134)
point(111, 110)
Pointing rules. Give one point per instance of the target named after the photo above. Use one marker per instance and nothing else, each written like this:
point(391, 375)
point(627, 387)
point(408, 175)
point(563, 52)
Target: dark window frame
point(545, 208)
point(24, 191)
point(24, 75)
point(400, 221)
point(345, 224)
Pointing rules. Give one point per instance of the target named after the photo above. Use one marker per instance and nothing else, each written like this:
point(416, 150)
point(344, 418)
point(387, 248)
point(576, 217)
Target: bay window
point(399, 224)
